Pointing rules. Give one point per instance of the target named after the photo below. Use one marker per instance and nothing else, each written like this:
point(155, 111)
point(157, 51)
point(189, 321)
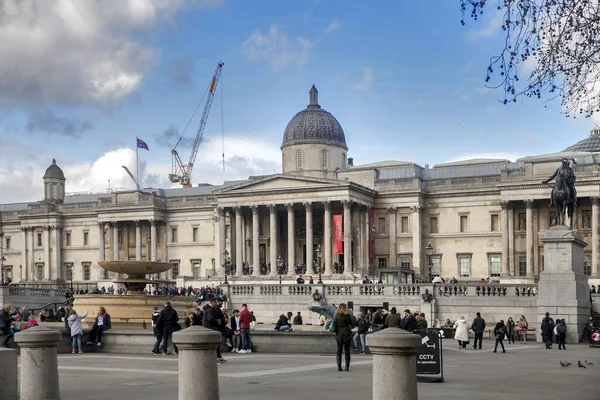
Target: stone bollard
point(198, 373)
point(8, 375)
point(394, 364)
point(38, 372)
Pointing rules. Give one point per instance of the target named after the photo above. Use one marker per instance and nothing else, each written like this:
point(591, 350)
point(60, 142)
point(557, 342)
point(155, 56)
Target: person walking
point(343, 334)
point(478, 327)
point(157, 329)
point(523, 328)
point(561, 333)
point(76, 330)
point(462, 333)
point(499, 333)
point(547, 329)
point(168, 319)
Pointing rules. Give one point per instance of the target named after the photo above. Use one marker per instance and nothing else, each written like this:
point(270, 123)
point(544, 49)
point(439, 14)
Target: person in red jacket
point(245, 321)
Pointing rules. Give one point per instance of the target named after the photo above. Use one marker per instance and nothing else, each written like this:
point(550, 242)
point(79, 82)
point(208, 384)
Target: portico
point(290, 216)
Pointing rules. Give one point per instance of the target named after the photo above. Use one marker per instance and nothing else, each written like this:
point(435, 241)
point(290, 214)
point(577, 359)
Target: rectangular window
point(228, 232)
point(404, 224)
point(464, 223)
point(494, 225)
point(435, 266)
point(586, 217)
point(196, 269)
point(68, 239)
point(86, 271)
point(405, 261)
point(587, 265)
point(382, 262)
point(260, 228)
point(175, 270)
point(120, 237)
point(85, 238)
point(8, 274)
point(464, 266)
point(522, 265)
point(7, 243)
point(104, 273)
point(381, 226)
point(39, 239)
point(69, 269)
point(389, 277)
point(522, 222)
point(433, 225)
point(495, 265)
point(173, 235)
point(39, 272)
point(212, 263)
point(194, 234)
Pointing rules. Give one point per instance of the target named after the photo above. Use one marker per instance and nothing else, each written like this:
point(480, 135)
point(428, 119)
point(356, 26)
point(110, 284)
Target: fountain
point(133, 310)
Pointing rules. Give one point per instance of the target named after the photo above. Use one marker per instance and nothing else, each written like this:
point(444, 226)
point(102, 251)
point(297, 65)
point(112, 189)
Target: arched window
point(299, 159)
point(324, 159)
point(343, 160)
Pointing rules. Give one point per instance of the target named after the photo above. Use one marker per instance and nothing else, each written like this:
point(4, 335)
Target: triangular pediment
point(280, 182)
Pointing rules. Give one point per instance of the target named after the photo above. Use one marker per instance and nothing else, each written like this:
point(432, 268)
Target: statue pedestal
point(563, 288)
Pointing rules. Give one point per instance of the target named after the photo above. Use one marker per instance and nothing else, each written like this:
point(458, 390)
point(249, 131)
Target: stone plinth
point(38, 372)
point(563, 288)
point(198, 373)
point(8, 375)
point(394, 364)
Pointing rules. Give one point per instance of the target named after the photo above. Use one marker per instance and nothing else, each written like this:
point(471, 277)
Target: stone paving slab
point(525, 371)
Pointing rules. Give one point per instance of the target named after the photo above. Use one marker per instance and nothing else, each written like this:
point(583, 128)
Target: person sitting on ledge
point(300, 281)
point(283, 324)
point(298, 319)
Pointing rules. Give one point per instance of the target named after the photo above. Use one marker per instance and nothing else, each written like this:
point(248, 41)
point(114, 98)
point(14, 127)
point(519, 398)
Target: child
point(32, 322)
point(76, 330)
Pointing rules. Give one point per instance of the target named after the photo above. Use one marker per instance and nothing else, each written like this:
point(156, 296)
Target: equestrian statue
point(564, 195)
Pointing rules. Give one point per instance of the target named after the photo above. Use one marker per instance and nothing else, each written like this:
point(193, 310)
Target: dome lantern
point(54, 184)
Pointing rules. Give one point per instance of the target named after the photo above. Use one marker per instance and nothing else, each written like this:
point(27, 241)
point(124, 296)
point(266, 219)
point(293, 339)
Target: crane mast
point(182, 173)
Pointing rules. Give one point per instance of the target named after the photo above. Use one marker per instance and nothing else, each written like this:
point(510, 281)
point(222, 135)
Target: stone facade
point(482, 218)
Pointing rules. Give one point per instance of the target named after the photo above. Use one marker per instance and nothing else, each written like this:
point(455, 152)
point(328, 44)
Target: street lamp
point(2, 261)
point(319, 255)
point(429, 250)
point(279, 266)
point(225, 264)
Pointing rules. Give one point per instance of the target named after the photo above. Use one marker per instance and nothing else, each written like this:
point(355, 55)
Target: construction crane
point(137, 184)
point(182, 173)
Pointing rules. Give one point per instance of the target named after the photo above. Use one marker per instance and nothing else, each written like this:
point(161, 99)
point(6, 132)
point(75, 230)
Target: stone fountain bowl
point(136, 269)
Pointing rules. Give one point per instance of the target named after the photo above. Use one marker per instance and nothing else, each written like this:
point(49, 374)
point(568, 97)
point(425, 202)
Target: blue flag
point(141, 144)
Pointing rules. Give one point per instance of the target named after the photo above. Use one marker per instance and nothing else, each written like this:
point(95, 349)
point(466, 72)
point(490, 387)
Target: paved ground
point(525, 372)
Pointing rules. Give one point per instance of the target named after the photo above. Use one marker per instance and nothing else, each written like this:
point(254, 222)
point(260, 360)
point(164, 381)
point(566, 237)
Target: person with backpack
point(561, 333)
point(547, 329)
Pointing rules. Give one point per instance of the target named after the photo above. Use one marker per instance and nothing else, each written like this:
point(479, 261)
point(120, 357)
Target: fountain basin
point(136, 269)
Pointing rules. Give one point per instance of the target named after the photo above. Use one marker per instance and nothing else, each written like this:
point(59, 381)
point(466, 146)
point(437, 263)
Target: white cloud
point(277, 48)
point(367, 79)
point(333, 26)
point(22, 181)
point(493, 26)
point(77, 51)
point(502, 156)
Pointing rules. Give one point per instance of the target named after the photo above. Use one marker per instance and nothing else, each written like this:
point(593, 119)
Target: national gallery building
point(394, 220)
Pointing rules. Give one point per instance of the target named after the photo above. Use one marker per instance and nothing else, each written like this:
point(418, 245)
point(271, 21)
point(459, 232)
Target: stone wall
point(32, 298)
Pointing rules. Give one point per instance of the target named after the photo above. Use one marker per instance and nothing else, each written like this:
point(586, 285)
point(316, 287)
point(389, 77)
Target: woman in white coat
point(462, 333)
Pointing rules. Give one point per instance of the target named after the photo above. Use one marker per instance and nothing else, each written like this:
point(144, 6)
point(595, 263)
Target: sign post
point(430, 366)
point(595, 338)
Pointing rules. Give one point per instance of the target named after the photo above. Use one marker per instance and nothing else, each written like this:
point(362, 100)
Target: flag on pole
point(141, 144)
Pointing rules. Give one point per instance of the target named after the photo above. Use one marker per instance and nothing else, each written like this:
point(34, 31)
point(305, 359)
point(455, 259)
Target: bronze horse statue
point(564, 195)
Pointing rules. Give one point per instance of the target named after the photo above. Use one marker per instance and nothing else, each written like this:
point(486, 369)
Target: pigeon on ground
point(569, 364)
point(562, 364)
point(580, 365)
point(588, 363)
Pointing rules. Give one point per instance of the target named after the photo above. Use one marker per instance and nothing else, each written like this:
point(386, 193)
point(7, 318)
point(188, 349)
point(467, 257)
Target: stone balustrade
point(31, 297)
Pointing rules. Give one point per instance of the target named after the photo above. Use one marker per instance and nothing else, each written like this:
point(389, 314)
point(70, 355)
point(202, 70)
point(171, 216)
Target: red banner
point(371, 235)
point(337, 234)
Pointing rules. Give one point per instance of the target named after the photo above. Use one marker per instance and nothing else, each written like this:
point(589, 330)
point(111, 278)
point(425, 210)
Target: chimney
point(350, 162)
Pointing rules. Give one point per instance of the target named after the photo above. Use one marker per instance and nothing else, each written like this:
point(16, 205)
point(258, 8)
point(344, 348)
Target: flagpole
point(137, 163)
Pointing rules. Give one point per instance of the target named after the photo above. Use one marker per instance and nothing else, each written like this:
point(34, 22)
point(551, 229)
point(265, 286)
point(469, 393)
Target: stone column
point(152, 240)
point(31, 260)
point(529, 236)
point(505, 241)
point(416, 245)
point(595, 237)
point(115, 231)
point(165, 253)
point(138, 241)
point(198, 372)
point(101, 244)
point(24, 255)
point(239, 242)
point(392, 236)
point(274, 238)
point(327, 233)
point(291, 238)
point(367, 237)
point(9, 374)
point(255, 241)
point(511, 240)
point(38, 372)
point(356, 264)
point(222, 244)
point(394, 364)
point(308, 257)
point(46, 242)
point(347, 236)
point(58, 251)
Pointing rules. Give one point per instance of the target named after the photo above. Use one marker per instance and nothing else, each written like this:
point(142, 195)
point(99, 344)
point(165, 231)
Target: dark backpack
point(561, 329)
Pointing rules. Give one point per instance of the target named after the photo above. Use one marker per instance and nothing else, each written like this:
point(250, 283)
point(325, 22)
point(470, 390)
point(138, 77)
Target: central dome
point(314, 126)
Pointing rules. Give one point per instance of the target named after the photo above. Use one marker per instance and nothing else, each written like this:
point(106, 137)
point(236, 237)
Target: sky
point(81, 79)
